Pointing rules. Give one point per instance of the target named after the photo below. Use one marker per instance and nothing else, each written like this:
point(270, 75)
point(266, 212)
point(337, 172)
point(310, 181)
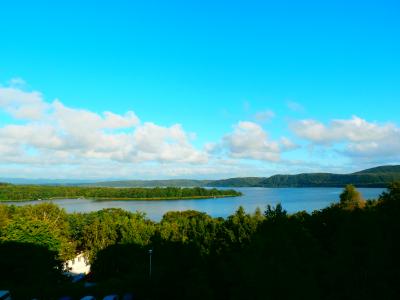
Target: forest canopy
point(10, 192)
point(348, 250)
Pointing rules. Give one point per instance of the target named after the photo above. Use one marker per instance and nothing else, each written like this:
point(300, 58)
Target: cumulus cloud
point(287, 144)
point(50, 137)
point(55, 133)
point(361, 138)
point(172, 143)
point(22, 105)
point(249, 140)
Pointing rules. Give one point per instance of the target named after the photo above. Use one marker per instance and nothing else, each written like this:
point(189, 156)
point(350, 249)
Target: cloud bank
point(43, 138)
point(70, 135)
point(361, 139)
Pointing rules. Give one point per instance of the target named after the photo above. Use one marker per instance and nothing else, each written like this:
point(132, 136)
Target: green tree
point(4, 217)
point(393, 193)
point(189, 227)
point(43, 224)
point(275, 213)
point(31, 232)
point(240, 226)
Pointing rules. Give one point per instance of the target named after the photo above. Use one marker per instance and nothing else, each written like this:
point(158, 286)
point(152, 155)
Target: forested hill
point(375, 177)
point(237, 182)
point(152, 183)
point(381, 170)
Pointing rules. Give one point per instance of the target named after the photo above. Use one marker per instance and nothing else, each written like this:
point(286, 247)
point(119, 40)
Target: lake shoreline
point(100, 199)
point(292, 200)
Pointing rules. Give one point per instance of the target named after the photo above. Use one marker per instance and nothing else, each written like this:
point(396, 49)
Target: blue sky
point(257, 87)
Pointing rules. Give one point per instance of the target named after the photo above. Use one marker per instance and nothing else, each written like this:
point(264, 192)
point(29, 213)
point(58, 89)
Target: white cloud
point(249, 140)
point(33, 135)
point(264, 116)
point(22, 105)
point(51, 139)
point(74, 119)
point(155, 142)
point(56, 133)
point(354, 130)
point(360, 137)
point(114, 121)
point(287, 144)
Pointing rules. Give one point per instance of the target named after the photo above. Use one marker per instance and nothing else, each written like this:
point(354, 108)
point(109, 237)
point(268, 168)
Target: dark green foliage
point(97, 230)
point(359, 254)
point(238, 230)
point(237, 182)
point(381, 170)
point(393, 194)
point(189, 228)
point(152, 183)
point(334, 253)
point(280, 262)
point(128, 261)
point(35, 192)
point(29, 270)
point(277, 213)
point(331, 180)
point(32, 232)
point(376, 177)
point(44, 224)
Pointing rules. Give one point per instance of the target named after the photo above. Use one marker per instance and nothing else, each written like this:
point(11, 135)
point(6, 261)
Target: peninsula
point(10, 192)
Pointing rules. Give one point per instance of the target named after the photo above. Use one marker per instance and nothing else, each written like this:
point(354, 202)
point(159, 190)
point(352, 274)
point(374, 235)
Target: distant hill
point(237, 182)
point(381, 170)
point(28, 181)
point(375, 177)
point(151, 183)
point(329, 180)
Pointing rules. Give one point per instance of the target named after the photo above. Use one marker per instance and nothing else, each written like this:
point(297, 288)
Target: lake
point(292, 200)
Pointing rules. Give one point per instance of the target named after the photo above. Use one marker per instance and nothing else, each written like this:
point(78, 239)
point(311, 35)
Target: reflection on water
point(292, 200)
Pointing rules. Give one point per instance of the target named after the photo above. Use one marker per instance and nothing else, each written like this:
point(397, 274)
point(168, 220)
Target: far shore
point(122, 199)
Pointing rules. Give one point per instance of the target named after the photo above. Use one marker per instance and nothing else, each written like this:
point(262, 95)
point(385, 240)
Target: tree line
point(9, 192)
point(349, 250)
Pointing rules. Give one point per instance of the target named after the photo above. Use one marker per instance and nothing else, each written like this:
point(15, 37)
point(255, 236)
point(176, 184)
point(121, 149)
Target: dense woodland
point(349, 250)
point(375, 177)
point(9, 192)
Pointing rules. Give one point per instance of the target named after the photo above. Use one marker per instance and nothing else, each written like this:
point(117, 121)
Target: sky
point(206, 89)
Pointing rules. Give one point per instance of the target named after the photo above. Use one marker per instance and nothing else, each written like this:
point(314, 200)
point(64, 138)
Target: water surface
point(292, 200)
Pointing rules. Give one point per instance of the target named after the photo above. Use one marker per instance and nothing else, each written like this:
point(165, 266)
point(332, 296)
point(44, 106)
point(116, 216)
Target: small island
point(10, 192)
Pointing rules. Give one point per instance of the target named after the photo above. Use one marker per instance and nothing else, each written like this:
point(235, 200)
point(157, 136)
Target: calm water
point(292, 200)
